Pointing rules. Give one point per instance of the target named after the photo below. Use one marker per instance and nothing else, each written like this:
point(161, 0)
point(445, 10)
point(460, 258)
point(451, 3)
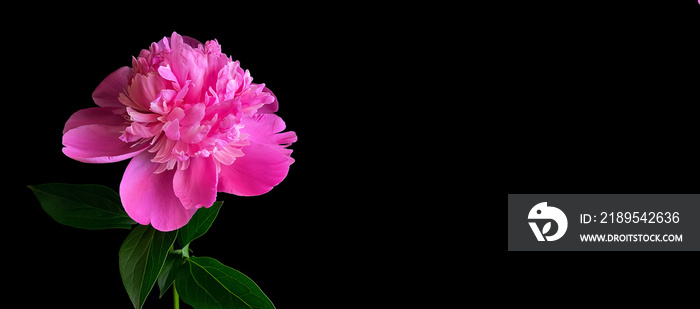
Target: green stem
point(176, 298)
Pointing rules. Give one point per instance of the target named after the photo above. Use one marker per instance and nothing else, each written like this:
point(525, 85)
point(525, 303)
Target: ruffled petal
point(264, 128)
point(107, 92)
point(191, 41)
point(95, 143)
point(269, 108)
point(257, 172)
point(196, 185)
point(148, 198)
point(181, 58)
point(143, 91)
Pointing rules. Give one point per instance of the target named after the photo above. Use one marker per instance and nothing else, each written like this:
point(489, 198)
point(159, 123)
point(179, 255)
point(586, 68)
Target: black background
point(331, 70)
point(605, 98)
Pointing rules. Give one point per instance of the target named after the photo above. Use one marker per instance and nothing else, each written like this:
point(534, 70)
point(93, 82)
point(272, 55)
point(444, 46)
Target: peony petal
point(94, 143)
point(194, 134)
point(172, 129)
point(191, 41)
point(143, 90)
point(228, 154)
point(262, 129)
point(148, 198)
point(166, 73)
point(194, 115)
point(257, 172)
point(181, 58)
point(269, 108)
point(141, 117)
point(196, 185)
point(96, 115)
point(107, 92)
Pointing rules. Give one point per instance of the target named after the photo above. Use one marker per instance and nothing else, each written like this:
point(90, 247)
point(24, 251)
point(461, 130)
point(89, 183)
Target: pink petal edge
point(95, 115)
point(107, 92)
point(257, 172)
point(148, 198)
point(95, 143)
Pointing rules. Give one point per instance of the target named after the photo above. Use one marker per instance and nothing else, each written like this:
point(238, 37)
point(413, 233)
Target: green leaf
point(204, 282)
point(169, 272)
point(91, 207)
point(199, 224)
point(141, 259)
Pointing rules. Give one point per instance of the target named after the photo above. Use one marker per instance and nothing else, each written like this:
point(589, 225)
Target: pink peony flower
point(194, 123)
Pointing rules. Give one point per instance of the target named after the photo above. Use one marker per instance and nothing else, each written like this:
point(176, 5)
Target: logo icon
point(543, 213)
